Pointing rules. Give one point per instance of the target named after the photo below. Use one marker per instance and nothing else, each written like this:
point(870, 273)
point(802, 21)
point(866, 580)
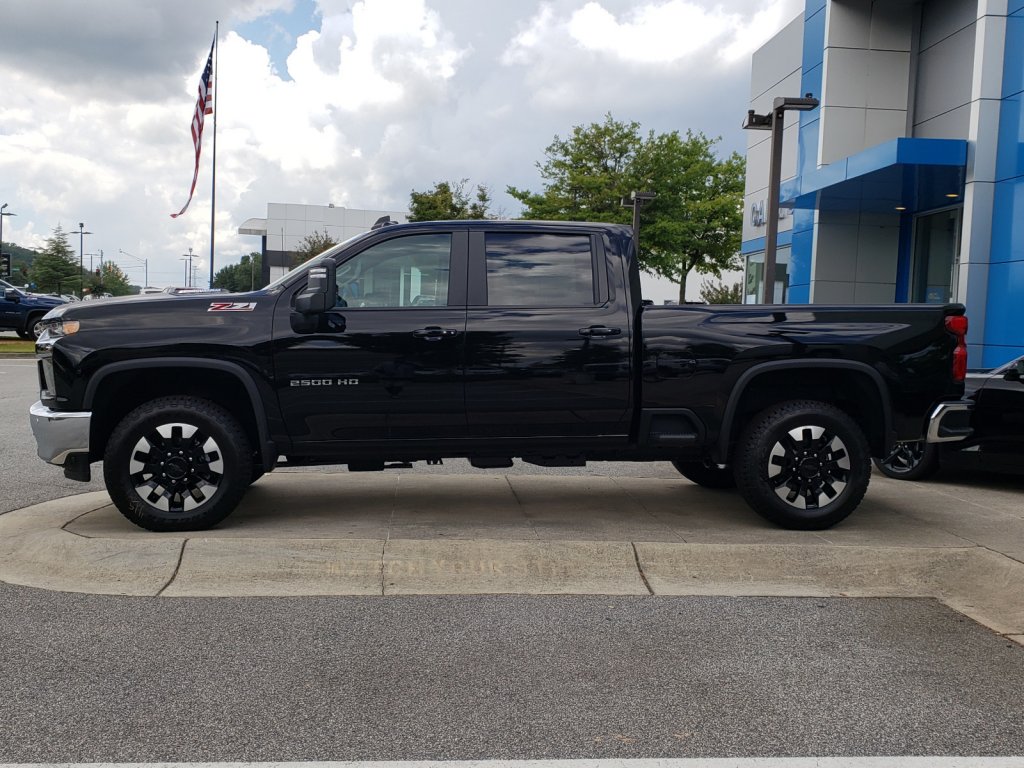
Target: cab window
point(407, 271)
point(539, 270)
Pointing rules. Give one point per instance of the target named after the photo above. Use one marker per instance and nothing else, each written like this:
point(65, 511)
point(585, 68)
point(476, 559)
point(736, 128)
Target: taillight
point(957, 324)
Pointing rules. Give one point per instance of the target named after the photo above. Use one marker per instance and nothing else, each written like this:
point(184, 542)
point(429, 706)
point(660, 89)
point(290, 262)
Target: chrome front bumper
point(950, 421)
point(59, 433)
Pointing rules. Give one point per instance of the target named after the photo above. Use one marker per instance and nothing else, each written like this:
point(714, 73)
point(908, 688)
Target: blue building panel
point(1010, 156)
point(1008, 222)
point(1004, 310)
point(807, 150)
point(814, 35)
point(810, 82)
point(800, 258)
point(756, 245)
point(1013, 56)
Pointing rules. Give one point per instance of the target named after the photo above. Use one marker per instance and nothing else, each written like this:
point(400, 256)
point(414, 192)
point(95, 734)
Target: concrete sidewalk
point(321, 533)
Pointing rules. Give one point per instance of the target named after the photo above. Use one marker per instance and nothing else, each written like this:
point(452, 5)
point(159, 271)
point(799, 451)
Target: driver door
point(389, 364)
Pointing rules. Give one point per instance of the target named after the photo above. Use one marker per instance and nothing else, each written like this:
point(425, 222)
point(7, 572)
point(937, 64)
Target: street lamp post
point(81, 258)
point(188, 268)
point(776, 123)
point(145, 266)
point(636, 201)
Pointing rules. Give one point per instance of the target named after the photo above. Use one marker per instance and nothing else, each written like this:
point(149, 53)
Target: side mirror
point(1016, 373)
point(319, 294)
point(11, 294)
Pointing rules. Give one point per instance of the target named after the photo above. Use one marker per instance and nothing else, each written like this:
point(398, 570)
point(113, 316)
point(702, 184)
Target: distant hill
point(21, 261)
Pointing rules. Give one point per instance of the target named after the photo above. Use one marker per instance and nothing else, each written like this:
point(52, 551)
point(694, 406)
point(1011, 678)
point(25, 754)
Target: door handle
point(599, 330)
point(435, 333)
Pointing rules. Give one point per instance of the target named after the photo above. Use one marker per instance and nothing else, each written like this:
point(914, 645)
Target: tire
point(177, 464)
point(33, 328)
point(803, 464)
point(914, 460)
point(706, 474)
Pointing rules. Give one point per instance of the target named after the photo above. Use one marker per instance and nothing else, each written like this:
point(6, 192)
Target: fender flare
point(753, 372)
point(268, 452)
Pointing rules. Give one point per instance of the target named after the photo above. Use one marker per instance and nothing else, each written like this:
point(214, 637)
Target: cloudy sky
point(351, 102)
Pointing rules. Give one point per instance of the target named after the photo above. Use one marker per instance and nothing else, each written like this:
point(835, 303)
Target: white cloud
point(657, 32)
point(380, 97)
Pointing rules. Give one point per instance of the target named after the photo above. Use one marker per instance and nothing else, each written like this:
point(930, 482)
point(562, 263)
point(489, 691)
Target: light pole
point(81, 258)
point(145, 266)
point(776, 123)
point(2, 214)
point(188, 268)
point(636, 201)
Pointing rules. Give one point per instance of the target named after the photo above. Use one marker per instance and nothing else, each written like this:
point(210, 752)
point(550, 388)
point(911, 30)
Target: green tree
point(586, 175)
point(312, 245)
point(110, 279)
point(447, 201)
point(55, 269)
point(246, 275)
point(694, 221)
point(719, 293)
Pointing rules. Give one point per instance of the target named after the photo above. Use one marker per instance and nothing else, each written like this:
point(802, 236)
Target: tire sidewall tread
point(212, 418)
point(754, 448)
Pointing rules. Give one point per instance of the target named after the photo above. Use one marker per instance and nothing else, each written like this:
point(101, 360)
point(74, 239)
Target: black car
point(997, 444)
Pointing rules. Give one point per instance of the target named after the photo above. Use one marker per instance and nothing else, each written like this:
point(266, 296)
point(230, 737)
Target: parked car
point(997, 443)
point(21, 311)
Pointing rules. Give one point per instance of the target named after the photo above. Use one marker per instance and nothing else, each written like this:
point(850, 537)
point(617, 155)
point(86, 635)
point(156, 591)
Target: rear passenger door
point(547, 344)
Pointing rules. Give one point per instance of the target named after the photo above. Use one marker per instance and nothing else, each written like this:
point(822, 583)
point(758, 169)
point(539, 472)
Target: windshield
point(288, 277)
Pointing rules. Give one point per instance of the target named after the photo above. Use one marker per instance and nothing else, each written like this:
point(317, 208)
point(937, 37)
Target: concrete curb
point(39, 547)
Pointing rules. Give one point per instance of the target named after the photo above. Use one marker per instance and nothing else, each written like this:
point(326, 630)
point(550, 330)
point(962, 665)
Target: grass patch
point(16, 347)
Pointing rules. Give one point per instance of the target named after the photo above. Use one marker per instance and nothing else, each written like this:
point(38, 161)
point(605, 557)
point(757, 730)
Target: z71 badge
point(232, 306)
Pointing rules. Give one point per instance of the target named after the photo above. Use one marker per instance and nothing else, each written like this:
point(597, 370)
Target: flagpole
point(213, 183)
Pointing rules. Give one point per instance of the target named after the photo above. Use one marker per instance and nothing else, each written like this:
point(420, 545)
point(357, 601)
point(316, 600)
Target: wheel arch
point(118, 388)
point(31, 317)
point(855, 387)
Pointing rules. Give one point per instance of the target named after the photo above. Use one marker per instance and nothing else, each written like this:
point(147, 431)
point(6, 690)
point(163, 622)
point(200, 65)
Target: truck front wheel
point(803, 464)
point(177, 464)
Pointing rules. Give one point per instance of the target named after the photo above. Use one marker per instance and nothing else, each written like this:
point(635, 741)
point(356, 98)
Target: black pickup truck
point(488, 341)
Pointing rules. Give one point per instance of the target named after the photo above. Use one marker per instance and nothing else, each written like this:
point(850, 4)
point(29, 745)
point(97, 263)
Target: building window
point(753, 282)
point(936, 255)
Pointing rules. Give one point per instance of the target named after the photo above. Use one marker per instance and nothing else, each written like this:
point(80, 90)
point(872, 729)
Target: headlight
point(58, 326)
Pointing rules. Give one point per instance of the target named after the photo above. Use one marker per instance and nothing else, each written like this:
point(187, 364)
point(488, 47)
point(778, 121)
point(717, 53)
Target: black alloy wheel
point(913, 460)
point(177, 464)
point(803, 464)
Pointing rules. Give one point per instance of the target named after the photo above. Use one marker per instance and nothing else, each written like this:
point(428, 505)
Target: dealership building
point(287, 224)
point(906, 183)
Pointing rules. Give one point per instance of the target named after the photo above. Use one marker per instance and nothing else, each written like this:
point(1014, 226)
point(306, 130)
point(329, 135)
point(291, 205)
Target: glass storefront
point(936, 253)
point(753, 282)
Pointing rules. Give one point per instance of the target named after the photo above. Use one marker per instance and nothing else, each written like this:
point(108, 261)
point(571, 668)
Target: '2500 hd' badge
point(232, 306)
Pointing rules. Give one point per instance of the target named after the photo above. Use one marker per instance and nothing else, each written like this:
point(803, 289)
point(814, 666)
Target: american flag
point(204, 107)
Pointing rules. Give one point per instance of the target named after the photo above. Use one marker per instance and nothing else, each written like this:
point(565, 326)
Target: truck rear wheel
point(177, 464)
point(803, 464)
